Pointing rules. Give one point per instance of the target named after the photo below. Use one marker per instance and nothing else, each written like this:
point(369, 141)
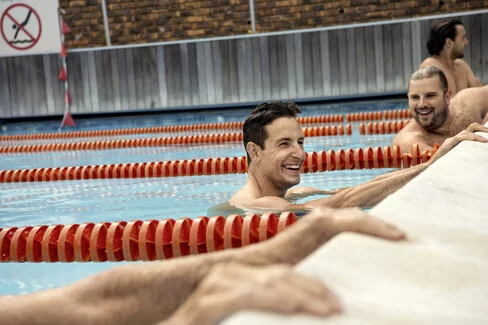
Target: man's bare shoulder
point(412, 133)
point(412, 128)
point(407, 137)
point(432, 62)
point(249, 197)
point(245, 194)
point(460, 63)
point(265, 202)
point(468, 72)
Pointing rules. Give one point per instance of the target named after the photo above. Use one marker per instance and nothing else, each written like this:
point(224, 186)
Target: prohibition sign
point(26, 26)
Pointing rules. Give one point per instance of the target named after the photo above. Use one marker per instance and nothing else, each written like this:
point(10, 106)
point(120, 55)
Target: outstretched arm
point(149, 293)
point(374, 191)
point(299, 192)
point(276, 288)
point(369, 194)
point(472, 80)
point(233, 287)
point(475, 99)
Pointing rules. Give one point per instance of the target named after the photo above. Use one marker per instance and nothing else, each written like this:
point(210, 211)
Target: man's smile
point(292, 167)
point(424, 112)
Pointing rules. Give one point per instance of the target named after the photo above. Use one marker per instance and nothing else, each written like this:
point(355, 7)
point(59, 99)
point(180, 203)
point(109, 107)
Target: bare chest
point(432, 139)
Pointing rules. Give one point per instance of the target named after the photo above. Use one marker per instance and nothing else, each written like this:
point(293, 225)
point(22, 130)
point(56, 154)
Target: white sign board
point(29, 27)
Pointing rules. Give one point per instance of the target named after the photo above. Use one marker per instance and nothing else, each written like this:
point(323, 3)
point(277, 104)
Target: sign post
point(63, 76)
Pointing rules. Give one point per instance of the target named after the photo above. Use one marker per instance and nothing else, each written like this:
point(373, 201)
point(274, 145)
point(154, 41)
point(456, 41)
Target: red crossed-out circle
point(34, 39)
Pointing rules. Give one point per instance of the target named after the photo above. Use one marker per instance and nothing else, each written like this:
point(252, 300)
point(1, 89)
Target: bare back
point(457, 76)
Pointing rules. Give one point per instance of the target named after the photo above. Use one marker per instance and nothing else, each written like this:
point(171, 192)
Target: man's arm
point(149, 293)
point(369, 194)
point(299, 192)
point(475, 99)
point(233, 287)
point(472, 80)
point(320, 225)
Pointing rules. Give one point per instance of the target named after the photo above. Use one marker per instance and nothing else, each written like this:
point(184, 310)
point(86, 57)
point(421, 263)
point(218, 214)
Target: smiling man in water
point(435, 115)
point(273, 140)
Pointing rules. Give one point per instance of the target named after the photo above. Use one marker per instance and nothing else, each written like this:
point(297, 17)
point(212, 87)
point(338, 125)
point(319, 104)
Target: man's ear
point(448, 43)
point(253, 150)
point(448, 96)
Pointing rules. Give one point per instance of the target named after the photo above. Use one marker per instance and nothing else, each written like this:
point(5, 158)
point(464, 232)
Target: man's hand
point(231, 287)
point(467, 134)
point(485, 120)
point(356, 220)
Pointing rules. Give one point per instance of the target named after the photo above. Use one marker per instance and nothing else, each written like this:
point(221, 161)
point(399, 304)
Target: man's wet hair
point(429, 72)
point(439, 32)
point(254, 129)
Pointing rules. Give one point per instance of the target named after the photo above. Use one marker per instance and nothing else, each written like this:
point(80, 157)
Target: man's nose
point(299, 152)
point(422, 101)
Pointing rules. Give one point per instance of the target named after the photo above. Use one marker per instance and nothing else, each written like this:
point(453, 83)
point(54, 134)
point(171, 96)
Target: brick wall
point(145, 21)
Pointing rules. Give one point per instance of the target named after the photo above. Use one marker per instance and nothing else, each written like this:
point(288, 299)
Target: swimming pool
point(111, 200)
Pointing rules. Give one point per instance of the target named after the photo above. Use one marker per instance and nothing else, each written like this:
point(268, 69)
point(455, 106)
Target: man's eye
point(300, 143)
point(284, 144)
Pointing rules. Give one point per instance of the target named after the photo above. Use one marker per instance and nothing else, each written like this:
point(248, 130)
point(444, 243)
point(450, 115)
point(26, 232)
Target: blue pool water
point(193, 117)
point(128, 199)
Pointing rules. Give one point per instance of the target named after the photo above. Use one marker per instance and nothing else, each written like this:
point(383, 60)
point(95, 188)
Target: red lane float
point(137, 240)
point(314, 162)
point(364, 116)
point(385, 127)
point(396, 114)
point(158, 142)
point(338, 118)
point(378, 116)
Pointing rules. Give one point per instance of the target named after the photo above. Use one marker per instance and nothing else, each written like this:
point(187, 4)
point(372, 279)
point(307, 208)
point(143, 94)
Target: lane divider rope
point(384, 127)
point(137, 240)
point(337, 118)
point(377, 157)
point(157, 142)
point(377, 116)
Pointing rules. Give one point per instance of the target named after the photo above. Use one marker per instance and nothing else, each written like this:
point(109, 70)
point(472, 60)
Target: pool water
point(95, 201)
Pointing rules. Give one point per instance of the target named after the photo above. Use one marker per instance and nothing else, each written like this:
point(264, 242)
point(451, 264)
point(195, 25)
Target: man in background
point(446, 44)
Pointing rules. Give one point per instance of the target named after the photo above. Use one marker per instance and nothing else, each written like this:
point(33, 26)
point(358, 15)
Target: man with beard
point(446, 44)
point(435, 115)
